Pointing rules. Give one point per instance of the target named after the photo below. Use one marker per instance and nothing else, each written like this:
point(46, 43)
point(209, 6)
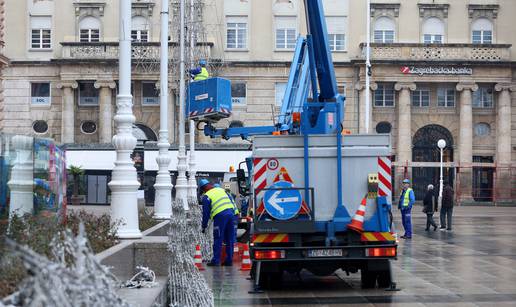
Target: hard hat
point(202, 62)
point(216, 185)
point(203, 182)
point(406, 181)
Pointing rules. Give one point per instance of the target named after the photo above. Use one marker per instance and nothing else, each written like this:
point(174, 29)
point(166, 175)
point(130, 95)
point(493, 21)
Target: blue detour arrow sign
point(282, 204)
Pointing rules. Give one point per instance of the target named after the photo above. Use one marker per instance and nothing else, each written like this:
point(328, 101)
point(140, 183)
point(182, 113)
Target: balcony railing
point(439, 52)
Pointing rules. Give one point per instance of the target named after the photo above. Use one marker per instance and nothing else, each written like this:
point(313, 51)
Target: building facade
point(440, 69)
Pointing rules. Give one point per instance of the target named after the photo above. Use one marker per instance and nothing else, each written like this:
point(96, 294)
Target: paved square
point(475, 265)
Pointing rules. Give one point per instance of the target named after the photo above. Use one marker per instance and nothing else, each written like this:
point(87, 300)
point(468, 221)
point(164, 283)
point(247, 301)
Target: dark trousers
point(446, 215)
point(406, 220)
point(223, 231)
point(430, 220)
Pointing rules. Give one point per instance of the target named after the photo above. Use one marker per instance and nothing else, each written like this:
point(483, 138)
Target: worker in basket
point(218, 206)
point(200, 73)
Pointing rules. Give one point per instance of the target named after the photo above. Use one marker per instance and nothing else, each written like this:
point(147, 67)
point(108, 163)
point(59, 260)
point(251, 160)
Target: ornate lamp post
point(123, 184)
point(163, 185)
point(441, 144)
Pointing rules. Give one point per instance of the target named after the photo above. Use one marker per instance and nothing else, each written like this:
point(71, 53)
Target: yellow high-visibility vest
point(220, 201)
point(406, 197)
point(203, 75)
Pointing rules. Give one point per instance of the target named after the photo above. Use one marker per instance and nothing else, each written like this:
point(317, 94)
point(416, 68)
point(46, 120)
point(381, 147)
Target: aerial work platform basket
point(209, 100)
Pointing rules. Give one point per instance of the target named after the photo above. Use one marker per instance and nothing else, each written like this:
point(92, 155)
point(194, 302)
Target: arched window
point(89, 30)
point(140, 29)
point(384, 30)
point(433, 31)
point(482, 31)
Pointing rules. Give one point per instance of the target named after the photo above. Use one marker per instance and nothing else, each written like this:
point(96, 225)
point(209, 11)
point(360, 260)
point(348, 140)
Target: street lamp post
point(368, 66)
point(441, 144)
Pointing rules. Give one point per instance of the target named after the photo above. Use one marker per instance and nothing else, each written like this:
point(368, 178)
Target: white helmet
point(430, 187)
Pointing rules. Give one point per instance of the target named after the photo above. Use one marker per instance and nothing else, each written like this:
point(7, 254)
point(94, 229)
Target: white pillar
point(105, 110)
point(182, 182)
point(67, 111)
point(21, 181)
point(404, 142)
point(365, 112)
point(192, 182)
point(123, 184)
point(163, 185)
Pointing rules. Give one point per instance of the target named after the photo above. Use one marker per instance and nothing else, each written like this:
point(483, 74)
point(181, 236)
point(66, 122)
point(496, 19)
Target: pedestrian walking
point(429, 206)
point(447, 208)
point(407, 200)
point(218, 206)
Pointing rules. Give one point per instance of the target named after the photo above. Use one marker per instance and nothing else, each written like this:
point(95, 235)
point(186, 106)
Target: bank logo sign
point(436, 70)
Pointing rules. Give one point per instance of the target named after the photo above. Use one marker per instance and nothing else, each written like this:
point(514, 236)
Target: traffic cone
point(198, 258)
point(246, 260)
point(357, 222)
point(235, 252)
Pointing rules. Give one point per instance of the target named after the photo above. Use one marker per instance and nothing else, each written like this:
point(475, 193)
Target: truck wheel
point(271, 280)
point(368, 279)
point(384, 279)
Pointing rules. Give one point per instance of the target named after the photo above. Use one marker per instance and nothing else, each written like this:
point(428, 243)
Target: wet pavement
point(474, 265)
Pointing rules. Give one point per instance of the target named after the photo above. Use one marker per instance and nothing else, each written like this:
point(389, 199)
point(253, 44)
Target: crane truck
point(310, 185)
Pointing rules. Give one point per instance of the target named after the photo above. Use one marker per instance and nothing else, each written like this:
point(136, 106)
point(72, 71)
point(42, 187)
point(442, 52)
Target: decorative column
point(123, 184)
point(466, 138)
point(68, 111)
point(105, 110)
point(362, 107)
point(503, 140)
point(21, 181)
point(404, 142)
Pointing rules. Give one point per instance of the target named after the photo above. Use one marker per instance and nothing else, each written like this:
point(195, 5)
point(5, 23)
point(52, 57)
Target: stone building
point(440, 69)
point(3, 60)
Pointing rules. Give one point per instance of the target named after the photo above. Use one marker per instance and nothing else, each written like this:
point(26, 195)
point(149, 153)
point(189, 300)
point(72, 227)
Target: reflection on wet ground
point(475, 265)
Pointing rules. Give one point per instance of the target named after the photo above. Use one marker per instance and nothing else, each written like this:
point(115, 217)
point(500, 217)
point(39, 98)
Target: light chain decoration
point(186, 284)
point(73, 277)
point(204, 240)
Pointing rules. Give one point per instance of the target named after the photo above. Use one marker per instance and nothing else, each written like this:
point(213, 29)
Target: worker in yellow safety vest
point(218, 206)
point(407, 200)
point(200, 73)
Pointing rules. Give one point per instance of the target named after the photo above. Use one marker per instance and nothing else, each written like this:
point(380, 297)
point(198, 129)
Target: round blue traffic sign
point(282, 204)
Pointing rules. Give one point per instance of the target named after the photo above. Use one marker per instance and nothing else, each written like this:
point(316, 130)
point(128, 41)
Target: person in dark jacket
point(447, 208)
point(429, 206)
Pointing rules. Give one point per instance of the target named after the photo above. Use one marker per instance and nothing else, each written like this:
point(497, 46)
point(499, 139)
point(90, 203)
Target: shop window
point(482, 31)
point(89, 30)
point(150, 95)
point(286, 33)
point(40, 126)
point(40, 93)
point(88, 94)
point(384, 30)
point(238, 92)
point(236, 32)
point(41, 32)
point(433, 31)
point(421, 98)
point(384, 95)
point(445, 97)
point(88, 127)
point(483, 98)
point(140, 29)
point(383, 127)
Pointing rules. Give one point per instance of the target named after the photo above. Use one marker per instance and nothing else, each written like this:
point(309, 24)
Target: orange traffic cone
point(357, 222)
point(235, 252)
point(246, 260)
point(198, 258)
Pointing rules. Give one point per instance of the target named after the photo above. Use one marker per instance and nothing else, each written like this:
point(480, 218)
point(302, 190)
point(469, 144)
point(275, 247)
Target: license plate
point(313, 253)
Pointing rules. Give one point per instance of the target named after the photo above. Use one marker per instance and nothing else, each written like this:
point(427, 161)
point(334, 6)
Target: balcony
point(439, 52)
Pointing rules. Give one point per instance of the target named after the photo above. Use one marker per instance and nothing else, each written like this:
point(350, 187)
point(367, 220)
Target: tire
point(384, 279)
point(271, 280)
point(368, 279)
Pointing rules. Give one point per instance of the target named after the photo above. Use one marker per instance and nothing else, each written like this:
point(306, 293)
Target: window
point(482, 129)
point(88, 127)
point(236, 33)
point(483, 98)
point(336, 33)
point(421, 98)
point(88, 94)
point(383, 127)
point(384, 95)
point(433, 31)
point(140, 29)
point(482, 31)
point(238, 92)
point(41, 32)
point(384, 29)
point(286, 32)
point(40, 93)
point(280, 88)
point(89, 30)
point(150, 95)
point(445, 97)
point(40, 126)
